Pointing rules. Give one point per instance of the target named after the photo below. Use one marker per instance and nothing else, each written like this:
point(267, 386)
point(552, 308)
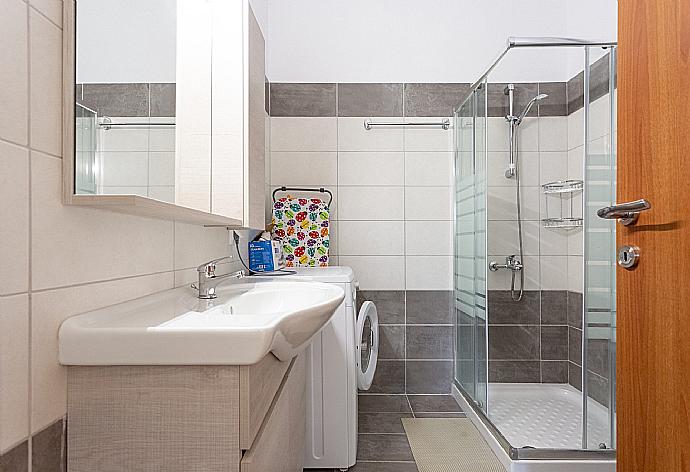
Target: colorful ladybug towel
point(303, 226)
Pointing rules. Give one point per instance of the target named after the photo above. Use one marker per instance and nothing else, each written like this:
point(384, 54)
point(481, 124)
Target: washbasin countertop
point(174, 327)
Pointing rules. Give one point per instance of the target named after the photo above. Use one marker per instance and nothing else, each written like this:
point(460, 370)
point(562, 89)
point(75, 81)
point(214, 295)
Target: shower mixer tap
point(512, 263)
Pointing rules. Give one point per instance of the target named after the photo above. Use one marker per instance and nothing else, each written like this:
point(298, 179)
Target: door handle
point(626, 213)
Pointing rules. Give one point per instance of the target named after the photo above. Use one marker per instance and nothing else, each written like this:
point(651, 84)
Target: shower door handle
point(625, 213)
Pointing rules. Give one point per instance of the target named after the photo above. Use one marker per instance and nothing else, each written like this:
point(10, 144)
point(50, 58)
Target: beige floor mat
point(449, 445)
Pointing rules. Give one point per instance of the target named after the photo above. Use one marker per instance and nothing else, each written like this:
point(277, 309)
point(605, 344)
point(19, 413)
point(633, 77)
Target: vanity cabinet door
point(259, 384)
point(279, 446)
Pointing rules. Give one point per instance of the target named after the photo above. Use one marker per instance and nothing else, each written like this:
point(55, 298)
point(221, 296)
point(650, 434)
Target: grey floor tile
point(433, 403)
point(16, 459)
point(381, 422)
point(383, 404)
point(384, 467)
point(383, 447)
point(47, 452)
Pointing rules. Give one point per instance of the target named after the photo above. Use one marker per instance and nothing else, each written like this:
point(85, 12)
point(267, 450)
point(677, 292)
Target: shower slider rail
point(368, 124)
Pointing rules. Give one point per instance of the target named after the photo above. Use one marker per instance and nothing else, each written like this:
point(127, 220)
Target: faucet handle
point(209, 268)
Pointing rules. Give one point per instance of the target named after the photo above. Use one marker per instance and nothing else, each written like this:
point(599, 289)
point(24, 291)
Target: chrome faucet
point(208, 280)
point(512, 263)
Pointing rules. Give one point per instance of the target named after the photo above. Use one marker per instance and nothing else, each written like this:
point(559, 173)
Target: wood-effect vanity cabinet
point(186, 418)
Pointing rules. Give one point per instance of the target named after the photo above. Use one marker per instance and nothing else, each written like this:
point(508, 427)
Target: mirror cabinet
point(165, 109)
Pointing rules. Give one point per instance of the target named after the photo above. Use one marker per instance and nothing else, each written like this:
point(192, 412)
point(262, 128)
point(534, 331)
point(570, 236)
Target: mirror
point(143, 100)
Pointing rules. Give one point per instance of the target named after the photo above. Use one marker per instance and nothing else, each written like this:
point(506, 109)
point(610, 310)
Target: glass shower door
point(470, 247)
point(599, 365)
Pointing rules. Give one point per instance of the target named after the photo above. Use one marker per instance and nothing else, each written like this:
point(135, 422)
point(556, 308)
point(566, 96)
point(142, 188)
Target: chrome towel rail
point(368, 124)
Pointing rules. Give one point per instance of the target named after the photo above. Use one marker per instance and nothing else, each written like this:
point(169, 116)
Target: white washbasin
point(241, 326)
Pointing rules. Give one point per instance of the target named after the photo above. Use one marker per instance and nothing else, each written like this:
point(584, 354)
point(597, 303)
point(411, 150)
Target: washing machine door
point(367, 344)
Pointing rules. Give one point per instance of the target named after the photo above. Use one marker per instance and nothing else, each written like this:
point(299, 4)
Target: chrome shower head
point(527, 108)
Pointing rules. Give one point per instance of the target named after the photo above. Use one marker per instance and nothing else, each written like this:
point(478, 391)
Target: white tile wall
point(80, 258)
point(393, 194)
point(559, 157)
point(429, 168)
point(353, 137)
point(371, 168)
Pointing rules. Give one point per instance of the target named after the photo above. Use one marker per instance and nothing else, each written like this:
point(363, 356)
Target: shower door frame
point(537, 453)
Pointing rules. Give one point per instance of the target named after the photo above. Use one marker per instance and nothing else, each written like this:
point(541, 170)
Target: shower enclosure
point(534, 266)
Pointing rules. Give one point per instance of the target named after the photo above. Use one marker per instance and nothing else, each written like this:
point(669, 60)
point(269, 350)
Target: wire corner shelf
point(563, 186)
point(563, 223)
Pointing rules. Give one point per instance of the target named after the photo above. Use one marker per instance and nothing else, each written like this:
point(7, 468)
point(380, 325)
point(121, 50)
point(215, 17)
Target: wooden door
point(653, 300)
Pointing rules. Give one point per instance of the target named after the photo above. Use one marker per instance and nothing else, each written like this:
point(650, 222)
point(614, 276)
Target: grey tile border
point(554, 372)
point(16, 459)
point(370, 99)
point(390, 304)
point(383, 403)
point(379, 423)
point(429, 306)
point(391, 342)
point(514, 342)
point(267, 96)
point(163, 99)
point(575, 91)
point(48, 449)
point(303, 99)
point(433, 404)
point(429, 376)
point(383, 447)
point(556, 104)
point(117, 99)
point(515, 371)
point(389, 377)
point(554, 343)
point(498, 101)
point(503, 310)
point(434, 99)
point(429, 342)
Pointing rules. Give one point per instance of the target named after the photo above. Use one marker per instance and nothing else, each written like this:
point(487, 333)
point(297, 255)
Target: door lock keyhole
point(628, 256)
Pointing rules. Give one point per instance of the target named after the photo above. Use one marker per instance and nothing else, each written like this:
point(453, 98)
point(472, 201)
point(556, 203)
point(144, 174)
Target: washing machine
point(340, 360)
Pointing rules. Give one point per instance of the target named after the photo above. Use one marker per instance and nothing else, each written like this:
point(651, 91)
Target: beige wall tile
point(429, 168)
point(304, 134)
point(14, 93)
point(377, 272)
point(50, 8)
point(304, 168)
point(14, 370)
point(196, 244)
point(371, 238)
point(72, 245)
point(46, 84)
point(353, 137)
point(428, 272)
point(49, 310)
point(14, 214)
